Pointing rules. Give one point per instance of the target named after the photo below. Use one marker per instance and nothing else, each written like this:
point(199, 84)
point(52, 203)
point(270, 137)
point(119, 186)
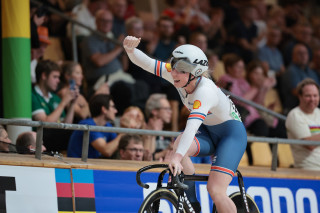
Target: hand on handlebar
point(175, 167)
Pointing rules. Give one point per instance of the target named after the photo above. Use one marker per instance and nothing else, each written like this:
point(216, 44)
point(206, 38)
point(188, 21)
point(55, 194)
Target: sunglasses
point(182, 65)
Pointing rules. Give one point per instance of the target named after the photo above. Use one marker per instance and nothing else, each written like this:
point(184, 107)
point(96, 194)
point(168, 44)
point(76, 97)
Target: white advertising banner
point(28, 189)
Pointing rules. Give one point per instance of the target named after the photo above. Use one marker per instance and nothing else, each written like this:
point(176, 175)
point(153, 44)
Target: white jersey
point(299, 126)
point(207, 104)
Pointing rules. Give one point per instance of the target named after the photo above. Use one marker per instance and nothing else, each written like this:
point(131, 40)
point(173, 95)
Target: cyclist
point(214, 125)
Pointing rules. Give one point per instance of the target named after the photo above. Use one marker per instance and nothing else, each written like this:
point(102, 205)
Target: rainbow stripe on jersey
point(197, 115)
point(314, 129)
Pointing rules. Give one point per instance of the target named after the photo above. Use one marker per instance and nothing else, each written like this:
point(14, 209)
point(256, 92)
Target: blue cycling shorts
point(226, 142)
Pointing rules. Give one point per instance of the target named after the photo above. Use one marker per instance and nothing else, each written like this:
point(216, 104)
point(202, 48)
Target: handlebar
point(175, 180)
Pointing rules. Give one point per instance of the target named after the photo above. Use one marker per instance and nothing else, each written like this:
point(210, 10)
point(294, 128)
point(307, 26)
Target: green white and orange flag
point(16, 81)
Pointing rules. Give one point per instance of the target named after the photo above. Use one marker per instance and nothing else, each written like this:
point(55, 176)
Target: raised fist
point(130, 42)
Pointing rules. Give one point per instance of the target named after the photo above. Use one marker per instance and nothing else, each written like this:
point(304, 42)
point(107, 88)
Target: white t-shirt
point(83, 15)
point(207, 103)
point(301, 125)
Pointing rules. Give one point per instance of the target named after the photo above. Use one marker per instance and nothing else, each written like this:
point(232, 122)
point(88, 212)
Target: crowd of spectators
point(257, 51)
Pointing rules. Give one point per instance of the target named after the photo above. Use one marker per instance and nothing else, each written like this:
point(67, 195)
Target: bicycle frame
point(178, 186)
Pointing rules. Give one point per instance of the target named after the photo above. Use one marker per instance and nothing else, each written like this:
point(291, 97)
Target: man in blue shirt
point(297, 71)
point(100, 143)
point(270, 53)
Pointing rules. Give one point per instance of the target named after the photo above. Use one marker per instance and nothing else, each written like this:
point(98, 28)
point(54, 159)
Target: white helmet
point(189, 58)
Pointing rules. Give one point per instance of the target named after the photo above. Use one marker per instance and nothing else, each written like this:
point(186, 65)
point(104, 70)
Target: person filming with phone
point(71, 79)
point(49, 107)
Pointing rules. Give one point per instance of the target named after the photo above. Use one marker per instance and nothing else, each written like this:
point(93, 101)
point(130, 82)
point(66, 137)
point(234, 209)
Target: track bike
point(174, 193)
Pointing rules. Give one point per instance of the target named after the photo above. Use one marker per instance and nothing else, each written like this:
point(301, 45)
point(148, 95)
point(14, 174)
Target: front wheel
point(238, 201)
point(151, 203)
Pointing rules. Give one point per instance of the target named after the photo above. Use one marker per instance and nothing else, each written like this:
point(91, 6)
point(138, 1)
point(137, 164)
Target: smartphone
point(72, 84)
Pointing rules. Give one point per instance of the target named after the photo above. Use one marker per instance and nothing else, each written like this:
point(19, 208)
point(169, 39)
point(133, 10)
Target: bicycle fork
point(183, 202)
point(243, 191)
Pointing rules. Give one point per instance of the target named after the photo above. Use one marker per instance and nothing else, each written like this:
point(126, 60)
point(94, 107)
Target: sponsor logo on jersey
point(214, 159)
point(168, 67)
point(196, 104)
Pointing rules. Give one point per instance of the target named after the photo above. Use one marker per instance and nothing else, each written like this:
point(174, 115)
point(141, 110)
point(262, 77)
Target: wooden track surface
point(121, 165)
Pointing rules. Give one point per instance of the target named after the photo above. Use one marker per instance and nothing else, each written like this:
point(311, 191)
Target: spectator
point(4, 140)
point(179, 11)
point(100, 56)
point(131, 148)
point(48, 107)
point(26, 143)
point(134, 26)
point(118, 9)
point(37, 52)
point(303, 123)
point(267, 97)
point(270, 54)
point(297, 71)
point(161, 48)
point(158, 113)
point(163, 44)
point(37, 18)
point(231, 10)
point(56, 23)
point(200, 40)
point(260, 14)
point(235, 82)
point(128, 94)
point(315, 64)
point(215, 30)
point(72, 79)
point(302, 33)
point(216, 66)
point(276, 17)
point(133, 118)
point(85, 13)
point(101, 144)
point(245, 34)
point(131, 9)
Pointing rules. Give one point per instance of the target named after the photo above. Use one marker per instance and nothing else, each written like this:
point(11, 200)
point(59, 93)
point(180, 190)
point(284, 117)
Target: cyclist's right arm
point(153, 66)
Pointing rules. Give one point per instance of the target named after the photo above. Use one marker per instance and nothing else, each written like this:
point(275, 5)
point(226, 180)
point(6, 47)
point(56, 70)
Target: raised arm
point(139, 58)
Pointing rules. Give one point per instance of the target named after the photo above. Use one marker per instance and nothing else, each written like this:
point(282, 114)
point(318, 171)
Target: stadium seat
point(285, 157)
point(244, 160)
point(261, 154)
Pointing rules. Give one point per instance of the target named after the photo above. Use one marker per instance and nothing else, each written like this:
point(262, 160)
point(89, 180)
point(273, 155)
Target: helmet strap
point(189, 80)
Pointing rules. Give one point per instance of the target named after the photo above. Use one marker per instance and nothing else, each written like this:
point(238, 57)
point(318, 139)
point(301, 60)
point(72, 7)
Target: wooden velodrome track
point(120, 165)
